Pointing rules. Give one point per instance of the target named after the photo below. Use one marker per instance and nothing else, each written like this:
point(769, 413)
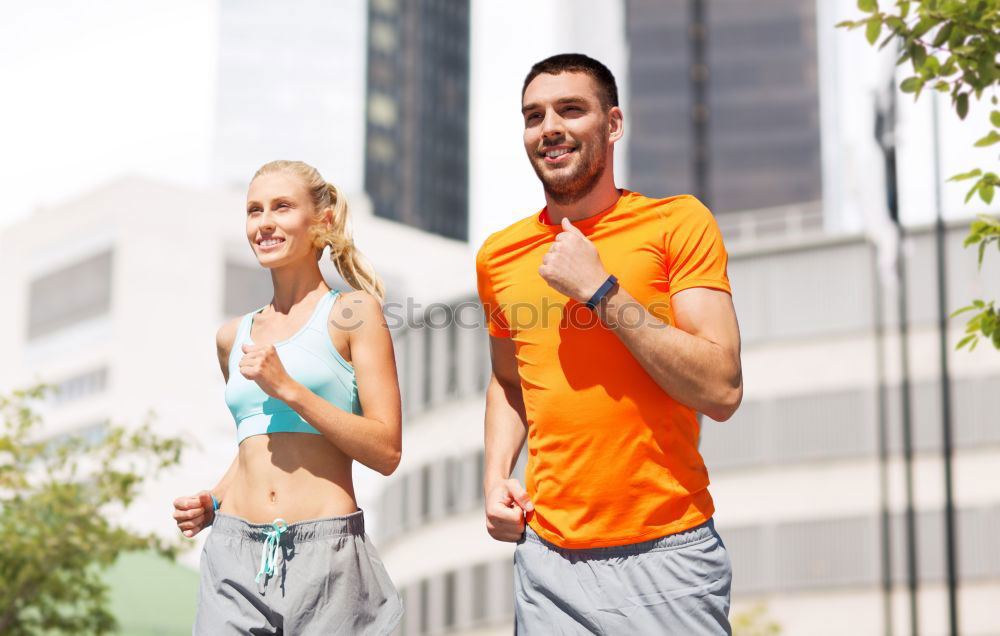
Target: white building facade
point(795, 473)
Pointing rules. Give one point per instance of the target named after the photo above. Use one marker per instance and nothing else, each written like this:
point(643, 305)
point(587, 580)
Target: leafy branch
point(952, 47)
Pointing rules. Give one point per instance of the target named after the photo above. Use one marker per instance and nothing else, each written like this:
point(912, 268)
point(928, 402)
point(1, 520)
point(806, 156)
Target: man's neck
point(601, 197)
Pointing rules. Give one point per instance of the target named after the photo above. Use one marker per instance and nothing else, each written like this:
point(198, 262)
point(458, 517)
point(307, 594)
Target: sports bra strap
point(322, 313)
point(242, 334)
point(317, 321)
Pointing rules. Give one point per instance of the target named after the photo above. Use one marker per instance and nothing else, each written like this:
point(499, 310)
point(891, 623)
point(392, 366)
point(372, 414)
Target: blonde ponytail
point(353, 267)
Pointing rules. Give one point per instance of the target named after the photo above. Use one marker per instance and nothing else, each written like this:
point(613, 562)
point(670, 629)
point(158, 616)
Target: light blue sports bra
point(310, 358)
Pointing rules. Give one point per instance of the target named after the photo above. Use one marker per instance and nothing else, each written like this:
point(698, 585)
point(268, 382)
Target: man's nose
point(552, 125)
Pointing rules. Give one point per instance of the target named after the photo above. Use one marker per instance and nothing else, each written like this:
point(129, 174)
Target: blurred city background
point(130, 131)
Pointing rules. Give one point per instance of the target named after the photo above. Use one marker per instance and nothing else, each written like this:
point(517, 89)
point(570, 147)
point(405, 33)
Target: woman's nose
point(266, 221)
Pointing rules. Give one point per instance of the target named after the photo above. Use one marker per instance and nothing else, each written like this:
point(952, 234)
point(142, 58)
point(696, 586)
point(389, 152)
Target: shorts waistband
point(311, 530)
point(680, 539)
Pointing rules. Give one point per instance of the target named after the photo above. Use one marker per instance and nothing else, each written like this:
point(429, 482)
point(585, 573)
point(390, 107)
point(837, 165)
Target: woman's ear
point(327, 218)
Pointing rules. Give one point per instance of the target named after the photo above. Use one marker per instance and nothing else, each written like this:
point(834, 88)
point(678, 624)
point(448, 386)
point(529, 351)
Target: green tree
point(59, 498)
point(755, 621)
point(952, 47)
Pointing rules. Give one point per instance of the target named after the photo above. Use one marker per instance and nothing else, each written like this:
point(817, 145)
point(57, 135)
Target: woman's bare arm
point(375, 438)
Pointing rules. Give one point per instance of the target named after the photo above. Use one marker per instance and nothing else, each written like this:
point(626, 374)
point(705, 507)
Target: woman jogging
point(311, 383)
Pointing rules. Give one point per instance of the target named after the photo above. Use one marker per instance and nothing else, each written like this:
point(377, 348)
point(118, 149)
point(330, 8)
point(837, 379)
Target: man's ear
point(616, 124)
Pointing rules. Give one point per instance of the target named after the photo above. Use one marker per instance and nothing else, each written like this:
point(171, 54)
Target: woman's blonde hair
point(352, 265)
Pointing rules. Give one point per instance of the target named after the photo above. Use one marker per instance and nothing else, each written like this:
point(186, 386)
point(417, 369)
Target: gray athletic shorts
point(326, 579)
point(677, 584)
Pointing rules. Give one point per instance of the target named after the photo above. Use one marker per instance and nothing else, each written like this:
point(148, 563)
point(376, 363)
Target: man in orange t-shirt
point(611, 325)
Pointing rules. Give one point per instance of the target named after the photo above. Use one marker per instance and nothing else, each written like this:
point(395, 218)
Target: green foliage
point(952, 47)
point(58, 501)
point(755, 622)
point(986, 322)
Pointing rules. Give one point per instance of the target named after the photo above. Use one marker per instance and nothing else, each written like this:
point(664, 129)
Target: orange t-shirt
point(612, 459)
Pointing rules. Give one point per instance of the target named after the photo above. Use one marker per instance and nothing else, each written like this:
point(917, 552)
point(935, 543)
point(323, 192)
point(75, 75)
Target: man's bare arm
point(505, 431)
point(696, 362)
point(506, 424)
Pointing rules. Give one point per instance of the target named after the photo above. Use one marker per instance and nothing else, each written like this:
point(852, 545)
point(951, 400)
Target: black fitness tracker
point(602, 291)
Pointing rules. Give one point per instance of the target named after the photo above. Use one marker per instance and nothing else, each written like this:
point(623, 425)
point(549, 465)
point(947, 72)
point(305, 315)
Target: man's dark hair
point(578, 63)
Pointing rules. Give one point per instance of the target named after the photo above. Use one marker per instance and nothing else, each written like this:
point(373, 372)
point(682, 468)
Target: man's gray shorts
point(677, 584)
point(327, 579)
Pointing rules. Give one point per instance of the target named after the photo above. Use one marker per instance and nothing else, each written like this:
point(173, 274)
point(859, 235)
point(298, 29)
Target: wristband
point(602, 291)
point(215, 503)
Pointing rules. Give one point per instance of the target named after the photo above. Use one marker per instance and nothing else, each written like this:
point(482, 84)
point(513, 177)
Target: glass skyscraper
point(724, 101)
point(417, 114)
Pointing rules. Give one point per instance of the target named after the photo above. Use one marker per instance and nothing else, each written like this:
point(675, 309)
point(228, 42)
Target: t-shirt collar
point(542, 218)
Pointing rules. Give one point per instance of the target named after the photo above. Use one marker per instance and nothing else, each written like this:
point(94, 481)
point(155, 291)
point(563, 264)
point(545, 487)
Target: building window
point(425, 605)
point(449, 600)
point(404, 501)
point(382, 112)
point(91, 434)
point(80, 386)
point(429, 360)
point(480, 578)
point(70, 295)
point(388, 7)
point(453, 476)
point(425, 492)
point(480, 470)
point(384, 37)
point(382, 148)
point(454, 352)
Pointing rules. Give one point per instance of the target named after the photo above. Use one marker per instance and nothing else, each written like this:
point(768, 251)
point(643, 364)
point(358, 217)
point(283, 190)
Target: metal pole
point(883, 455)
point(885, 133)
point(905, 399)
point(946, 439)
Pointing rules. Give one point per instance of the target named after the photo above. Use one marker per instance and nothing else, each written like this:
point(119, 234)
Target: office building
point(417, 114)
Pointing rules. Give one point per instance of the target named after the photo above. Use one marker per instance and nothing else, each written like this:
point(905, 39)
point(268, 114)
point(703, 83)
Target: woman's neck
point(293, 283)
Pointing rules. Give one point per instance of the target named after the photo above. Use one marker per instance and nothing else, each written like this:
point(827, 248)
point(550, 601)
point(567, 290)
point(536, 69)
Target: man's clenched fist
point(506, 506)
point(572, 265)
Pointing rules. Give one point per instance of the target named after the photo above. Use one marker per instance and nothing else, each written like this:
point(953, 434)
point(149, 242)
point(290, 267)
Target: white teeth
point(270, 242)
point(552, 154)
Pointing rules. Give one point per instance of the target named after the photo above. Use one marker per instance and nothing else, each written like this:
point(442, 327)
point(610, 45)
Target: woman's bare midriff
point(292, 476)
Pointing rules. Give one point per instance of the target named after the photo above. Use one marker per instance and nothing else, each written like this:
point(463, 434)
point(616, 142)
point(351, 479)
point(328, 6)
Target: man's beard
point(569, 186)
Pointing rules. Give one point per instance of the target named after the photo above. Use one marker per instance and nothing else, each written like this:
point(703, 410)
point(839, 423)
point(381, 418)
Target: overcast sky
point(94, 90)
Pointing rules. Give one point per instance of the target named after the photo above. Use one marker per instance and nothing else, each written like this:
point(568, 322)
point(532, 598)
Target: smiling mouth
point(557, 155)
point(270, 242)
